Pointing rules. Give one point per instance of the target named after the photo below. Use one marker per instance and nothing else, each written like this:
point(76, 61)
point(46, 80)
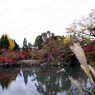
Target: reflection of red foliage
point(11, 56)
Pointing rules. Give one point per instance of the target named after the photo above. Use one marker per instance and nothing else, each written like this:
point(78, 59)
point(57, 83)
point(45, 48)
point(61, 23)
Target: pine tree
point(29, 46)
point(25, 47)
point(39, 42)
point(2, 41)
point(16, 46)
point(8, 43)
point(0, 44)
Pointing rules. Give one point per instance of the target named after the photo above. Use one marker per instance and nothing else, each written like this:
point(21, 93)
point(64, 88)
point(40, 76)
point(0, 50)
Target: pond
point(41, 81)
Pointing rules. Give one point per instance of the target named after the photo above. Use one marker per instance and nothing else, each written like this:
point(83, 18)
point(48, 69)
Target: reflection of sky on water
point(18, 87)
point(36, 82)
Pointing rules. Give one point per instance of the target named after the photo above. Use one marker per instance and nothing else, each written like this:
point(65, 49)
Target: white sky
point(29, 18)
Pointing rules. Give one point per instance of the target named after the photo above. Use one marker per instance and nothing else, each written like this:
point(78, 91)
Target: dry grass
point(76, 84)
point(92, 70)
point(78, 51)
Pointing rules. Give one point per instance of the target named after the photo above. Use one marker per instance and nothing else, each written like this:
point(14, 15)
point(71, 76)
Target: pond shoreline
point(32, 63)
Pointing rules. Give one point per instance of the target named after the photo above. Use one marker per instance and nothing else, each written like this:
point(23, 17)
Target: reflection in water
point(7, 76)
point(41, 81)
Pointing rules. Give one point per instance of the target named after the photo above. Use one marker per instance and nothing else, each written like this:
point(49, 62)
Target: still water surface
point(41, 81)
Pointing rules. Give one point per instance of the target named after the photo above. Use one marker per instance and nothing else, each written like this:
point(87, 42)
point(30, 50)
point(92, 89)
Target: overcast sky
point(29, 18)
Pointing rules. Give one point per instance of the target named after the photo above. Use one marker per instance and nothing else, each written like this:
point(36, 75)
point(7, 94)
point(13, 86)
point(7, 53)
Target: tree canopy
point(83, 29)
point(8, 43)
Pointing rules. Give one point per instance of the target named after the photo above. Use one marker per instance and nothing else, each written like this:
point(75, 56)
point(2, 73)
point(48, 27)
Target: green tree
point(16, 46)
point(0, 44)
point(2, 41)
point(29, 46)
point(5, 41)
point(39, 42)
point(25, 46)
point(8, 43)
point(41, 39)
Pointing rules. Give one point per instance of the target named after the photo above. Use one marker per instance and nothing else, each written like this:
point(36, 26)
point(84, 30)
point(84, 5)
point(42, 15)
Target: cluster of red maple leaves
point(88, 48)
point(10, 57)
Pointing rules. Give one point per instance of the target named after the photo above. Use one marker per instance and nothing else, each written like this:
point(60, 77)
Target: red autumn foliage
point(88, 48)
point(12, 56)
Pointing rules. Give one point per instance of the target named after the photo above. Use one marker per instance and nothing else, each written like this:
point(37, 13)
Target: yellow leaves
point(11, 44)
point(66, 40)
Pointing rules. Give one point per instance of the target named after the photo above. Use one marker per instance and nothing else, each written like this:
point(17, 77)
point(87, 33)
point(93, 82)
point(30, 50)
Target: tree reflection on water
point(7, 76)
point(45, 81)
